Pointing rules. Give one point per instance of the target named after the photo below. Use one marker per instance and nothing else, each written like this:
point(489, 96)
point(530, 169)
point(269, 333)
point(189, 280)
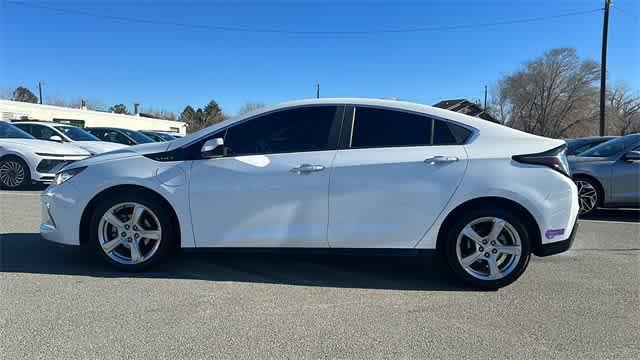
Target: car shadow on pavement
point(622, 215)
point(29, 253)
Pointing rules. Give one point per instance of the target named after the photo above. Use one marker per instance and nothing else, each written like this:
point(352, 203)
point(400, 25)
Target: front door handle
point(306, 169)
point(437, 160)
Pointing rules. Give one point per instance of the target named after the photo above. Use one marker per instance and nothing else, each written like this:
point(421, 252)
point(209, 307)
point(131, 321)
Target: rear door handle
point(306, 169)
point(436, 160)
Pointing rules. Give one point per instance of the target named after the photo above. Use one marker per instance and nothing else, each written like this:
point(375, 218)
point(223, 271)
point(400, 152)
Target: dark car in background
point(120, 136)
point(578, 145)
point(158, 136)
point(608, 175)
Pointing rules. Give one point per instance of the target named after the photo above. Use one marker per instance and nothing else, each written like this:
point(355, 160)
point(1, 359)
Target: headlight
point(67, 174)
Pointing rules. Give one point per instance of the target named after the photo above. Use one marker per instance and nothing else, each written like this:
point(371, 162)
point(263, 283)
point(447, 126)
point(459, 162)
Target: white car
point(52, 131)
point(328, 173)
point(24, 159)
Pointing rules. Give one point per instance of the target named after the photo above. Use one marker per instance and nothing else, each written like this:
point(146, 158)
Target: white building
point(15, 110)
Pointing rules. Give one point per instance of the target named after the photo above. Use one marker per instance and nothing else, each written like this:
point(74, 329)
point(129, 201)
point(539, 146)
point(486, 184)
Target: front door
point(397, 175)
point(625, 182)
point(271, 187)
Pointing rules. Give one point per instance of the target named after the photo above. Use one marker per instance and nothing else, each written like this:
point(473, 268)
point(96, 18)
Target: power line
point(304, 32)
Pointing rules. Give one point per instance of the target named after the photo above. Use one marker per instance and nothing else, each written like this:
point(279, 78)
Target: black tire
point(598, 193)
point(168, 244)
point(23, 167)
point(449, 245)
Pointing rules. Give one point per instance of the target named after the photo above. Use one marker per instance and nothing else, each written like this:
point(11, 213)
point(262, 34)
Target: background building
point(15, 110)
point(466, 107)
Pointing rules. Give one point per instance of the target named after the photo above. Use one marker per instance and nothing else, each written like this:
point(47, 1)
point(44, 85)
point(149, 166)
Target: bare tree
point(553, 95)
point(6, 94)
point(623, 110)
point(161, 114)
point(249, 107)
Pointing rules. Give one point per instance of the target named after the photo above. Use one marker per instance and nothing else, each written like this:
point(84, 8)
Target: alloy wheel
point(129, 233)
point(587, 196)
point(12, 173)
point(488, 248)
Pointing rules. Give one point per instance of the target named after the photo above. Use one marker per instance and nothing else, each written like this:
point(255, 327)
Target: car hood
point(98, 147)
point(122, 153)
point(43, 146)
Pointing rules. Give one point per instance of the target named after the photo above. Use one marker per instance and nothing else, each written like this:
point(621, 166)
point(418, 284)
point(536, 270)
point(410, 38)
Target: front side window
point(375, 128)
point(42, 132)
point(292, 130)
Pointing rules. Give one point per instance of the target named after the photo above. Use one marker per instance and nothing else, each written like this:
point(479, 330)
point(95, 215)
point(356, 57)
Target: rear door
point(396, 175)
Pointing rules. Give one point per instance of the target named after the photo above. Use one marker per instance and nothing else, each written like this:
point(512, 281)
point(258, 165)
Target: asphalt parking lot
point(56, 304)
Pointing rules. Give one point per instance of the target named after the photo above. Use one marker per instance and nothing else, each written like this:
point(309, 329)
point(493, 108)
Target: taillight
point(555, 158)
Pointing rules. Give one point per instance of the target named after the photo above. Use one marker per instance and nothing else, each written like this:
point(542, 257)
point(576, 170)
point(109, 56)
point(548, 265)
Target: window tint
point(42, 132)
point(8, 131)
point(294, 130)
point(446, 133)
point(386, 128)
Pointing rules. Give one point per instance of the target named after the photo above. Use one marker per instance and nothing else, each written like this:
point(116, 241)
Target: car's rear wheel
point(589, 195)
point(14, 173)
point(488, 248)
point(132, 231)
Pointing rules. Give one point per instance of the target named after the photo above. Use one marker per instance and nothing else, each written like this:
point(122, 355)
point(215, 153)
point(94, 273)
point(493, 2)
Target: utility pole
point(40, 85)
point(603, 66)
point(485, 97)
point(317, 90)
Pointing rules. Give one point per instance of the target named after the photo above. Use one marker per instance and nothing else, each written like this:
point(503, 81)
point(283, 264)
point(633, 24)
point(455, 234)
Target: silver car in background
point(608, 175)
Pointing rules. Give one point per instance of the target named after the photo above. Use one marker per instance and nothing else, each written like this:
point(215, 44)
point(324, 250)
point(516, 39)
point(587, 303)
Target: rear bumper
point(558, 246)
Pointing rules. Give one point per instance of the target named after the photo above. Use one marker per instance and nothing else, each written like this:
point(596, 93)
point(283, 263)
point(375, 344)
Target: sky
point(168, 54)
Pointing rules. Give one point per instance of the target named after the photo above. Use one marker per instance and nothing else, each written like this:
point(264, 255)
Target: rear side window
point(291, 130)
point(446, 133)
point(388, 128)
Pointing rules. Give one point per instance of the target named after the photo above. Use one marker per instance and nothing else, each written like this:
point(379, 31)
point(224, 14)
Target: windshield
point(138, 137)
point(611, 147)
point(76, 134)
point(8, 131)
point(165, 137)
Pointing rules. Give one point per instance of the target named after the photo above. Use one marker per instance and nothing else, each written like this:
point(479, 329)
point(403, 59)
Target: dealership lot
point(55, 304)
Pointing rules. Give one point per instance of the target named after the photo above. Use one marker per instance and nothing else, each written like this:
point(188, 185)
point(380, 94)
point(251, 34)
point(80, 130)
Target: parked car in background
point(608, 175)
point(158, 136)
point(578, 145)
point(52, 131)
point(24, 159)
point(402, 175)
point(120, 136)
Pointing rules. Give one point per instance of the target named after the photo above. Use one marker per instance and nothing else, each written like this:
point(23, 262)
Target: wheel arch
point(88, 210)
point(18, 156)
point(492, 201)
point(596, 182)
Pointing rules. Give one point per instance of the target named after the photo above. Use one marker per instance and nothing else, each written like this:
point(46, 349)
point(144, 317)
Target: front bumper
point(59, 218)
point(558, 246)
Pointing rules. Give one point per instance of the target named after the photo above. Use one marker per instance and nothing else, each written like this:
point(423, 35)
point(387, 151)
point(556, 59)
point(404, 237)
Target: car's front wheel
point(132, 231)
point(488, 248)
point(14, 173)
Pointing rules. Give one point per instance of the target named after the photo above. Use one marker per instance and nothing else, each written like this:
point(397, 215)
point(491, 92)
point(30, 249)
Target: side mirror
point(213, 148)
point(55, 138)
point(632, 156)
